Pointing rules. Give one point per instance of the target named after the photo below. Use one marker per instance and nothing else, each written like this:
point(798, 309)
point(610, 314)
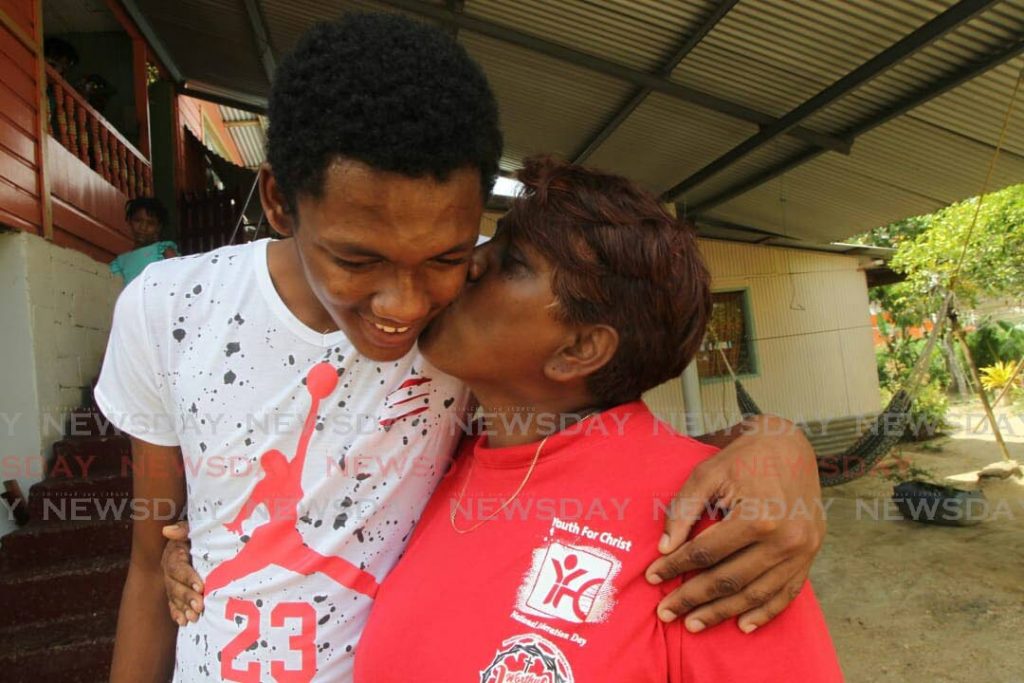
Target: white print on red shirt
point(527, 658)
point(571, 581)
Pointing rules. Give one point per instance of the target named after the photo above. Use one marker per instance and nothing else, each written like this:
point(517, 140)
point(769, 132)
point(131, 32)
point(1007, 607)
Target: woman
point(528, 563)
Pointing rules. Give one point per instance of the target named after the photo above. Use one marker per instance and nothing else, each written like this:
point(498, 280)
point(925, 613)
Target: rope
point(988, 177)
point(245, 207)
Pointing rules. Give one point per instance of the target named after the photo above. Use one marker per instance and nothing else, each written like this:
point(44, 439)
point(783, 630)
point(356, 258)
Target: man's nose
point(403, 300)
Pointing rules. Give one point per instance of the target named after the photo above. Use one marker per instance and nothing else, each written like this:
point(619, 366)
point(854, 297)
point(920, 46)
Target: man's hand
point(181, 582)
point(757, 558)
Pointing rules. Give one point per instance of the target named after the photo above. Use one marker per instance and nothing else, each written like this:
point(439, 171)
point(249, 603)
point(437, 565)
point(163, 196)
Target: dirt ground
point(914, 602)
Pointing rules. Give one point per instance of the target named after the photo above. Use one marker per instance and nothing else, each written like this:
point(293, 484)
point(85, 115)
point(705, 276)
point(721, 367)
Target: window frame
point(748, 326)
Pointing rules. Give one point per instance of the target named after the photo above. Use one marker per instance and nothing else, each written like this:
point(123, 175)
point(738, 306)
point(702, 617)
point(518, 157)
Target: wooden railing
point(91, 138)
point(208, 219)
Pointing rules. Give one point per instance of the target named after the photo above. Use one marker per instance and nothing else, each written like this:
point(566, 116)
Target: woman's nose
point(478, 263)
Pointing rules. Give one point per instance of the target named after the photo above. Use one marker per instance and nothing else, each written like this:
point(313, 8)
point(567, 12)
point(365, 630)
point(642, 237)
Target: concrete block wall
point(55, 306)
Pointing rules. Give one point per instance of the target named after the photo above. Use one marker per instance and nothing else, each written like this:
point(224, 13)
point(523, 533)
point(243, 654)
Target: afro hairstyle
point(390, 92)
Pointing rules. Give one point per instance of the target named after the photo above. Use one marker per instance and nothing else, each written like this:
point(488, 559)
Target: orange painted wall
point(20, 205)
point(88, 212)
point(191, 113)
point(23, 12)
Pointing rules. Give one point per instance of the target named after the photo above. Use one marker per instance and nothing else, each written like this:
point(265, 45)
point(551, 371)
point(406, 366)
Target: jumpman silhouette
point(278, 541)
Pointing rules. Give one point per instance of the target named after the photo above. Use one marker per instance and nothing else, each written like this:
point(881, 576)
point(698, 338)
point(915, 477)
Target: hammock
point(886, 430)
point(889, 426)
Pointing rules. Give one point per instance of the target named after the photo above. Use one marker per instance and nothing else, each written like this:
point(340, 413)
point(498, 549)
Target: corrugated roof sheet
point(249, 131)
point(545, 106)
point(767, 55)
point(286, 21)
point(640, 34)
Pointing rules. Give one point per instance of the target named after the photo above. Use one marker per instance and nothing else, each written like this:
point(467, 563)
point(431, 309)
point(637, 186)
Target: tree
point(928, 249)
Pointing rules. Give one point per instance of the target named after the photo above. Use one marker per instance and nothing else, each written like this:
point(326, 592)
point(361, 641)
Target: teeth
point(391, 330)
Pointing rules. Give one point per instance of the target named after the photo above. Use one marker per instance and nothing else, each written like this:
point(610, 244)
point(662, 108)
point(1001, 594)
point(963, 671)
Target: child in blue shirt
point(146, 216)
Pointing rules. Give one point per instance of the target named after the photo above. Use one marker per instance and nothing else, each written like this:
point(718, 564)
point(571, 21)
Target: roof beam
point(897, 109)
point(455, 7)
point(926, 34)
point(220, 95)
point(614, 70)
point(151, 37)
point(612, 124)
point(262, 38)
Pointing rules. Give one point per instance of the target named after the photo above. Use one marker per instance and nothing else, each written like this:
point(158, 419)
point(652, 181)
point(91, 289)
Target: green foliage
point(927, 411)
point(895, 362)
point(928, 249)
point(897, 358)
point(993, 342)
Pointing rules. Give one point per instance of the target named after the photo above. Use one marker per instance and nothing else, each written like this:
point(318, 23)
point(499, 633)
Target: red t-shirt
point(552, 590)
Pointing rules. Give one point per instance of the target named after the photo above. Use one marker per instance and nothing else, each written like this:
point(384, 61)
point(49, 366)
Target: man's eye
point(354, 265)
point(456, 261)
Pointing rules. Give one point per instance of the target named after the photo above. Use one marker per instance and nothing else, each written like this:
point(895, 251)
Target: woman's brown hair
point(620, 259)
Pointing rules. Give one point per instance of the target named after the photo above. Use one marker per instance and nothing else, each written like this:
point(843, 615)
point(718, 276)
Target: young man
point(302, 488)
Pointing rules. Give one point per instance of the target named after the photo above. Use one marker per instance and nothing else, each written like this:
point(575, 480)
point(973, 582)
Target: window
point(729, 330)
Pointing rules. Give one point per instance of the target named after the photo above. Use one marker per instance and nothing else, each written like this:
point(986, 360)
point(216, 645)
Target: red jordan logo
point(278, 541)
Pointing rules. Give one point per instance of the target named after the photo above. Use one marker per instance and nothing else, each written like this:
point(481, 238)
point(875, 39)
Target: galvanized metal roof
point(914, 90)
point(249, 131)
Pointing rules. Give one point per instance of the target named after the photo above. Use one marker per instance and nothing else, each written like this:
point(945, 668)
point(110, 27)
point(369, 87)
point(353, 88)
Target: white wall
point(812, 336)
point(55, 306)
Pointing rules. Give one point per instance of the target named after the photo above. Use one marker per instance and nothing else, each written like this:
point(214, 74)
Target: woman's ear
point(275, 207)
point(588, 349)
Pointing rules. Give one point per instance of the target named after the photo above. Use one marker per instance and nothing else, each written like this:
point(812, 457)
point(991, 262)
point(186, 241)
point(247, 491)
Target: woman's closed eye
point(512, 261)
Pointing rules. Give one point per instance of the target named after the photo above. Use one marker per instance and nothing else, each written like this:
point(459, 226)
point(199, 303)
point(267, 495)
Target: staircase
point(62, 573)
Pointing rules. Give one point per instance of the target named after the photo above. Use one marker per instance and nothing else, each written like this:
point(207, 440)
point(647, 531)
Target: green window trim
point(748, 366)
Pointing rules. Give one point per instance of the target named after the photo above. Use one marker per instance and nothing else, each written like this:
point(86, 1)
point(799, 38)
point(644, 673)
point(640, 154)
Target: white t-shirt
point(203, 354)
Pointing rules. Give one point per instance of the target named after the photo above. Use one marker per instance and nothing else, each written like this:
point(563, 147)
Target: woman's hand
point(182, 584)
point(757, 558)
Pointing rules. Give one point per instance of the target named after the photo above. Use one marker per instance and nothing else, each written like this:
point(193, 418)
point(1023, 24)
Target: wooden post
point(122, 160)
point(62, 116)
point(115, 164)
point(959, 333)
point(83, 135)
point(70, 109)
point(94, 147)
point(42, 125)
point(140, 85)
point(1005, 390)
point(105, 166)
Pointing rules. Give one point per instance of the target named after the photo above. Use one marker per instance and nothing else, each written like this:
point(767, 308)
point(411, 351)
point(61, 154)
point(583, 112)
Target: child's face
point(145, 227)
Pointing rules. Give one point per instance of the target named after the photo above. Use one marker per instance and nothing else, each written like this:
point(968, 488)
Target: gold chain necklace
point(529, 472)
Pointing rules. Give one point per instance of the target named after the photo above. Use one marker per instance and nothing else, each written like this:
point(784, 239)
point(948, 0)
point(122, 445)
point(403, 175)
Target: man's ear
point(587, 350)
point(275, 207)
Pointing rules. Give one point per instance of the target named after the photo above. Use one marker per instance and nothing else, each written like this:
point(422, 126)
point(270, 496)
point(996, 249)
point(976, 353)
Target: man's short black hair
point(393, 93)
point(150, 205)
